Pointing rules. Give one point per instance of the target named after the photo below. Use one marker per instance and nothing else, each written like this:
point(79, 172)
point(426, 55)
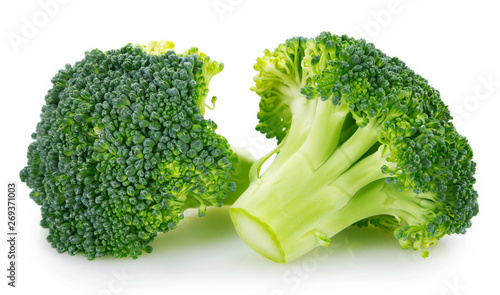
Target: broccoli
point(362, 139)
point(122, 149)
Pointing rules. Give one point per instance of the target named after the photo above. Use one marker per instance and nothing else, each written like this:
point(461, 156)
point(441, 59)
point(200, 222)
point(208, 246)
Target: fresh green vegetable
point(362, 139)
point(122, 149)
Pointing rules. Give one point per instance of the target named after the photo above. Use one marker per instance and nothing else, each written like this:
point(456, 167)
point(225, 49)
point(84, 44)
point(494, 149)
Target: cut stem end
point(257, 235)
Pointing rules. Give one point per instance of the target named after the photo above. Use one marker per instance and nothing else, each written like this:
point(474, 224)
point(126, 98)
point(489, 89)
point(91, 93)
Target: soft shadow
point(368, 238)
point(358, 243)
point(193, 231)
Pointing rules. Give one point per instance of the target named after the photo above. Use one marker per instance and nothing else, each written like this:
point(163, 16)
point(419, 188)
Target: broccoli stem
point(290, 209)
point(379, 198)
point(303, 114)
point(349, 152)
point(337, 193)
point(283, 235)
point(323, 138)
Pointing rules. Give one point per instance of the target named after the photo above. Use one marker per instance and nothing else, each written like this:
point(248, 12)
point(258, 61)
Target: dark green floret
point(363, 139)
point(122, 149)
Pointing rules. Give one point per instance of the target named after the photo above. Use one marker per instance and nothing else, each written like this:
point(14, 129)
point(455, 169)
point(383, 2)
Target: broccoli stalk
point(362, 139)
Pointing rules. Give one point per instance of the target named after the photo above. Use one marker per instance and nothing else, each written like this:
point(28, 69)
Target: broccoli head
point(122, 149)
point(363, 139)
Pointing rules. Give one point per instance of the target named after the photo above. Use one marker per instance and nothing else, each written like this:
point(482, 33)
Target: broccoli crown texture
point(122, 146)
point(362, 139)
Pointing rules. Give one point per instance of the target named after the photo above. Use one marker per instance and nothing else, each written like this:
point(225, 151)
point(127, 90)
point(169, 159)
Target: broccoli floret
point(362, 140)
point(122, 149)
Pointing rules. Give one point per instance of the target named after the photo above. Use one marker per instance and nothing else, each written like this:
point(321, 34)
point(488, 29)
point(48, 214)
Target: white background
point(454, 44)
